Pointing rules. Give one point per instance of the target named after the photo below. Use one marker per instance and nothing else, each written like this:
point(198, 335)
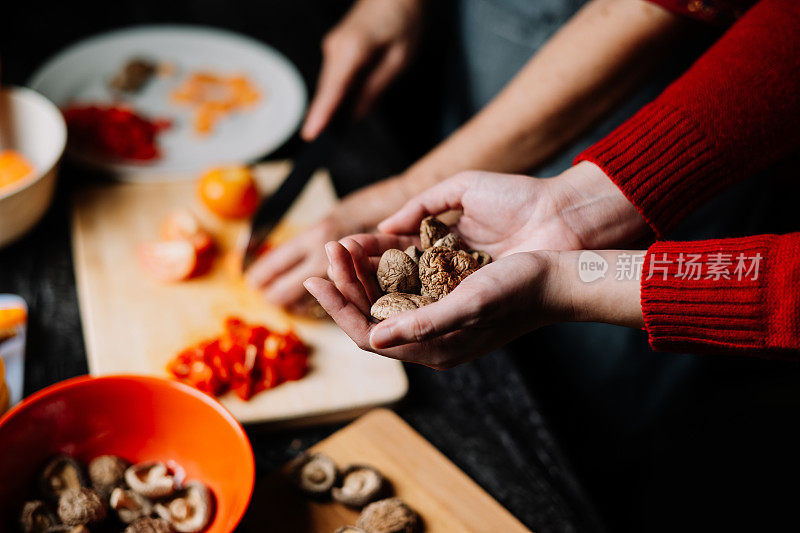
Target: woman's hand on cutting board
point(376, 36)
point(279, 273)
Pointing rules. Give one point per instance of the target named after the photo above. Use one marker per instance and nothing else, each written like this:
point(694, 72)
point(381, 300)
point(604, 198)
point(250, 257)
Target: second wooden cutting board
point(133, 324)
point(446, 499)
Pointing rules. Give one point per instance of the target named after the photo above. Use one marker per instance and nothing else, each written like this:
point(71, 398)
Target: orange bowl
point(138, 418)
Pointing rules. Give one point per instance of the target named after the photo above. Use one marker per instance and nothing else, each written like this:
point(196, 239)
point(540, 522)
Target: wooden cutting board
point(446, 499)
point(133, 324)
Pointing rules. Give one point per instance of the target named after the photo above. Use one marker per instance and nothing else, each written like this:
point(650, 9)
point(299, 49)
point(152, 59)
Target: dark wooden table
point(481, 415)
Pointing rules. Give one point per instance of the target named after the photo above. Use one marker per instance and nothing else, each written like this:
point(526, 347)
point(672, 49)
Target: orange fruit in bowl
point(13, 167)
point(229, 192)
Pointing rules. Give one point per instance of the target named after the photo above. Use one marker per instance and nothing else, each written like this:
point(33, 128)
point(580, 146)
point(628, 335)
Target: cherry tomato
point(229, 192)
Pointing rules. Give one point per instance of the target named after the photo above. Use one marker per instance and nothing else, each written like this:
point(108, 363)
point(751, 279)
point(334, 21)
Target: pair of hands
point(507, 216)
point(514, 218)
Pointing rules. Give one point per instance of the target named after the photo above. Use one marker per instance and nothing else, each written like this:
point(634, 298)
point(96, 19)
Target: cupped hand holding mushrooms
point(512, 228)
point(472, 310)
point(413, 278)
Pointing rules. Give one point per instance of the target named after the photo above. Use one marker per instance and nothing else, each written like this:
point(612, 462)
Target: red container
point(136, 417)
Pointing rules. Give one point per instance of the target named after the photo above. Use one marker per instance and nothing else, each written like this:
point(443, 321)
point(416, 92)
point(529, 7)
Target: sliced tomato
point(183, 225)
point(168, 261)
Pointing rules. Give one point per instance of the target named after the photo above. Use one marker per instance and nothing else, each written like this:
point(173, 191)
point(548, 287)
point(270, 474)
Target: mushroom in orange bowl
point(133, 452)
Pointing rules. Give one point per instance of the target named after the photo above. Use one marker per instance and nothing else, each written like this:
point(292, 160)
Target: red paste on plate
point(114, 131)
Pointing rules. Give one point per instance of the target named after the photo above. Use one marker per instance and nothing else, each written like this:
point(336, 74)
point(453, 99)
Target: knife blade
point(312, 157)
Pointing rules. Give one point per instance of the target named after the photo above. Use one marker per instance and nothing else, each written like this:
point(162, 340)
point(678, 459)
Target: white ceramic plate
point(80, 74)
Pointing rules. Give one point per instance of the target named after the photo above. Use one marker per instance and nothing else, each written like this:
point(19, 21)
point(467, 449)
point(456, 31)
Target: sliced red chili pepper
point(245, 359)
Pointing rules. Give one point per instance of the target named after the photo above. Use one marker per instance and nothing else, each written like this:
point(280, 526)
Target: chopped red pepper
point(114, 131)
point(245, 359)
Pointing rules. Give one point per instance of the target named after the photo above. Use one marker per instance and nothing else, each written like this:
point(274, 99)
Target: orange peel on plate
point(214, 96)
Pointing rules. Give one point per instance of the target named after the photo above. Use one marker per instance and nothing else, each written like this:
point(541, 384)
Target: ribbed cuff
point(661, 162)
point(711, 296)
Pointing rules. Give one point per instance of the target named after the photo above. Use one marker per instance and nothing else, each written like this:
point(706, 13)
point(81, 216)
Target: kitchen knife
point(312, 157)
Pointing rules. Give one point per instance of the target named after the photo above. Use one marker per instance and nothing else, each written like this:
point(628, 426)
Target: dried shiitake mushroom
point(129, 505)
point(190, 511)
point(397, 272)
point(151, 480)
point(361, 484)
point(442, 269)
point(149, 525)
point(107, 472)
point(60, 474)
point(314, 473)
point(396, 302)
point(391, 515)
point(480, 257)
point(414, 253)
point(452, 241)
point(36, 517)
point(81, 506)
point(431, 229)
point(349, 529)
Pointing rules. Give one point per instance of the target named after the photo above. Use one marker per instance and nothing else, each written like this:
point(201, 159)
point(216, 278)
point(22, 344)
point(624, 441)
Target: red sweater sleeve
point(731, 295)
point(732, 114)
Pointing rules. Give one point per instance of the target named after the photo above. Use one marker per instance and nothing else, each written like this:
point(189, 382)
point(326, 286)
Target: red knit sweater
point(733, 113)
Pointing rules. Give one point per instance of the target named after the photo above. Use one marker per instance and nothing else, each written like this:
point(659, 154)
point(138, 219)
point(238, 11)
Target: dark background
point(482, 415)
point(722, 455)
